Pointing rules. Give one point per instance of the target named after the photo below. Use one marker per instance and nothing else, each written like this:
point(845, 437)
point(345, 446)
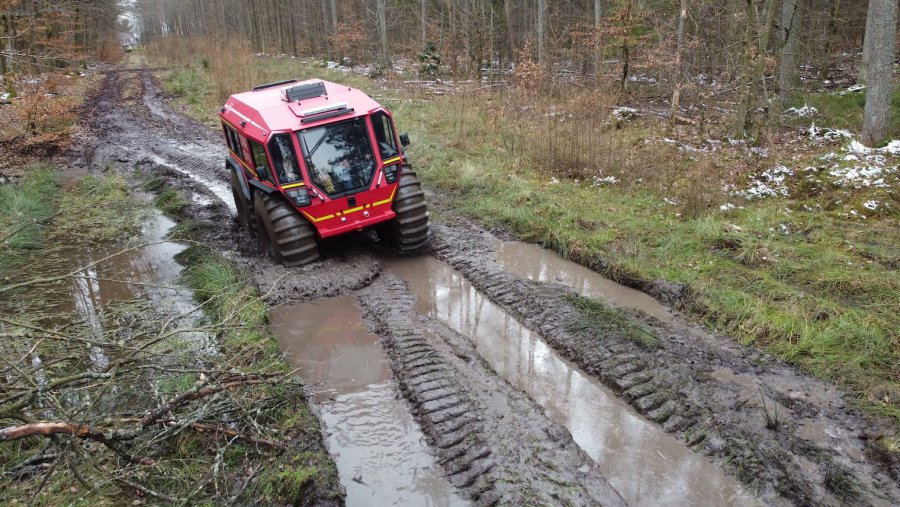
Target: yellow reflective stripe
point(314, 219)
point(391, 160)
point(351, 210)
point(389, 199)
point(293, 185)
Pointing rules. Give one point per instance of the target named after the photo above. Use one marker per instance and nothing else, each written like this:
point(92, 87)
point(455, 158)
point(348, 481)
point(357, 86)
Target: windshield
point(339, 156)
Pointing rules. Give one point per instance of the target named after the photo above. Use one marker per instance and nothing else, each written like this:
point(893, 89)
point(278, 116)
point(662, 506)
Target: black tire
point(245, 213)
point(409, 230)
point(286, 235)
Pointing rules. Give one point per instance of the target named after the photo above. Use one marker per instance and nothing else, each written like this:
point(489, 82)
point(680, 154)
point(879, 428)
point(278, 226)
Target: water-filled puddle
point(541, 265)
point(381, 453)
point(120, 274)
point(646, 465)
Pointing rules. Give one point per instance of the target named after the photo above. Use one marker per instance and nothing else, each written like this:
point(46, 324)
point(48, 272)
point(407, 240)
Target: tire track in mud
point(144, 132)
point(494, 443)
point(690, 388)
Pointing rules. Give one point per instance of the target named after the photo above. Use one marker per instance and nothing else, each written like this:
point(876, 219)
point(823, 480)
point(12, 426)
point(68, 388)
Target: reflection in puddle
point(541, 265)
point(149, 272)
point(646, 465)
point(381, 454)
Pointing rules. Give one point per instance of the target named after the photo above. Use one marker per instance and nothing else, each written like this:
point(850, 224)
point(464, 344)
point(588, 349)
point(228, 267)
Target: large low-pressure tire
point(409, 230)
point(289, 237)
point(245, 213)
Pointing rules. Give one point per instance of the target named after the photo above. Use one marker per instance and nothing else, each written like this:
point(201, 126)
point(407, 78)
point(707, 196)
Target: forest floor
point(474, 330)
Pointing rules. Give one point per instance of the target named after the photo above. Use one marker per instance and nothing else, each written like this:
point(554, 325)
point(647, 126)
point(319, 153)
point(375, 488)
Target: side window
point(260, 159)
point(231, 137)
point(384, 135)
point(284, 158)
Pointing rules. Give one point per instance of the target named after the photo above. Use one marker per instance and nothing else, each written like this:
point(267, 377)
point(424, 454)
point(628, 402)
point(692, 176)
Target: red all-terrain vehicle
point(311, 160)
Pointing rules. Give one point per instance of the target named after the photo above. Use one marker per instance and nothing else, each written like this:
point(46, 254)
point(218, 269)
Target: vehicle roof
point(264, 111)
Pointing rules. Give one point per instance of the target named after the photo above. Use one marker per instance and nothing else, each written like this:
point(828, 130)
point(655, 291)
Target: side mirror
point(404, 139)
point(263, 172)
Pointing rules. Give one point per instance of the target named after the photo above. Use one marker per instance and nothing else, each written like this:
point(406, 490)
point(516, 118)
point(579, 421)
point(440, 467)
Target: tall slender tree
point(880, 74)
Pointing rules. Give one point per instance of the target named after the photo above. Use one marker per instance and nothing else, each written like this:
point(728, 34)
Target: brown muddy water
point(541, 265)
point(646, 465)
point(380, 452)
point(149, 271)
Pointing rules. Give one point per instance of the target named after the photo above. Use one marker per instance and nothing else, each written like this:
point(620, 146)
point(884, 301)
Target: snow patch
point(853, 89)
point(625, 113)
point(607, 180)
point(769, 183)
point(802, 112)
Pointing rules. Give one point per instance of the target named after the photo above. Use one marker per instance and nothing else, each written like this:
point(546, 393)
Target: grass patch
point(190, 230)
point(171, 202)
point(599, 320)
point(842, 483)
point(23, 207)
point(187, 83)
point(104, 203)
point(845, 111)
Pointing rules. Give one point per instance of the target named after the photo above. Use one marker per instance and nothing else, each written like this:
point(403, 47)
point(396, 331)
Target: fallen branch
point(147, 491)
point(47, 429)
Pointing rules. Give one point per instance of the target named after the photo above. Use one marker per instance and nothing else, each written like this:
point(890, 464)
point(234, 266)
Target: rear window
point(233, 141)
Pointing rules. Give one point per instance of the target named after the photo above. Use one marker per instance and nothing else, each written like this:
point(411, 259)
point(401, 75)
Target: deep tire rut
point(675, 386)
point(493, 442)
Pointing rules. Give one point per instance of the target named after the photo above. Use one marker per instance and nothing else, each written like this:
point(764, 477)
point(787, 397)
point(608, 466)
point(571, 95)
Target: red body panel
point(257, 115)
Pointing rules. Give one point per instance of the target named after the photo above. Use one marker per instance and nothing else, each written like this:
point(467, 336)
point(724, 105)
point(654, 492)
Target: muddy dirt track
point(519, 402)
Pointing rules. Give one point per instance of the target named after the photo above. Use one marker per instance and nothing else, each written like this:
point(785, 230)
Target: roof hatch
point(304, 91)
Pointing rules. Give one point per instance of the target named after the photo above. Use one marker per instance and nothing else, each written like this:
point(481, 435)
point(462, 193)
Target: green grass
point(98, 209)
point(189, 84)
point(171, 202)
point(598, 320)
point(22, 204)
point(845, 111)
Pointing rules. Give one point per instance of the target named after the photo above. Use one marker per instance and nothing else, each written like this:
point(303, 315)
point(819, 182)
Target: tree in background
point(881, 40)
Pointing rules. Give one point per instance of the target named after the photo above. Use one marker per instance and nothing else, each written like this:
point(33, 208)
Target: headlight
point(300, 196)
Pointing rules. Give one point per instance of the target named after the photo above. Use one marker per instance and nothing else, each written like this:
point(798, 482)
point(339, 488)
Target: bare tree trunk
point(334, 16)
point(541, 29)
point(3, 50)
point(626, 20)
point(452, 19)
point(424, 25)
point(829, 38)
point(676, 94)
point(867, 44)
point(754, 78)
point(598, 17)
point(879, 76)
point(787, 72)
point(380, 9)
point(510, 29)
